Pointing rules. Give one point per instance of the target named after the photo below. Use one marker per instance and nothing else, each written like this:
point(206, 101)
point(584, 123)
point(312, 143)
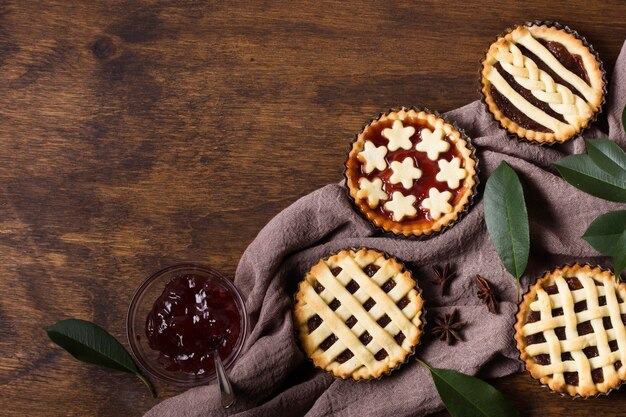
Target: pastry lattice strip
point(528, 75)
point(608, 349)
point(378, 303)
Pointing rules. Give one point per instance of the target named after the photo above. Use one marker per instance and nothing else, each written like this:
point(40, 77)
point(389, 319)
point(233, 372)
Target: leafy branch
point(602, 173)
point(608, 239)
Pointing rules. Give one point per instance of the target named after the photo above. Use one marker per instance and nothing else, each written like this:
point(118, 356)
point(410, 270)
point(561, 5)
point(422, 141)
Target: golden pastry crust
point(595, 283)
point(561, 132)
point(426, 227)
point(332, 317)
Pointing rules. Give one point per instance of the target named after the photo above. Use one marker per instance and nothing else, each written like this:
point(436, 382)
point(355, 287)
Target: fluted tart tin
point(570, 332)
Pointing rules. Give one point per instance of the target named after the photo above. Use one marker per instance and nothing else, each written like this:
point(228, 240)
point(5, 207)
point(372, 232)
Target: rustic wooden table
point(135, 135)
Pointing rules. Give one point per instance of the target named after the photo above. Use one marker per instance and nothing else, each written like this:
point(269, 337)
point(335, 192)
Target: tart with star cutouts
point(412, 173)
point(542, 82)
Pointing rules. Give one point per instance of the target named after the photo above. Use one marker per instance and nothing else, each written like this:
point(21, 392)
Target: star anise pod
point(443, 277)
point(447, 328)
point(486, 295)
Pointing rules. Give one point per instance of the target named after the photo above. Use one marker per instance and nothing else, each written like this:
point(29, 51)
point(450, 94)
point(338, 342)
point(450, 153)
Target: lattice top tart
point(358, 314)
point(542, 83)
point(411, 173)
point(570, 330)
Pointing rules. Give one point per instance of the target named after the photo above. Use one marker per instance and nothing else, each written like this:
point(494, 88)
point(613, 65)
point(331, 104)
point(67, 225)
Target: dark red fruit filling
point(191, 318)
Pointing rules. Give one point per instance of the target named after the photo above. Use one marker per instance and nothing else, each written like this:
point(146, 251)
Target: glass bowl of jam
point(179, 317)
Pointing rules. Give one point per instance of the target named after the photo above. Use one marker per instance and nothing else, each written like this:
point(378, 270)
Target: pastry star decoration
point(401, 206)
point(372, 190)
point(373, 157)
point(437, 203)
point(432, 143)
point(450, 172)
point(404, 173)
point(399, 136)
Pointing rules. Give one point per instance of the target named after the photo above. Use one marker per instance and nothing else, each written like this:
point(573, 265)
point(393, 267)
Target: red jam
point(191, 318)
point(572, 62)
point(373, 133)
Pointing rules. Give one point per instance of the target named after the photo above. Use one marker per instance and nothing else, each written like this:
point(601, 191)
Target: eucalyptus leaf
point(607, 235)
point(466, 396)
point(507, 219)
point(90, 343)
point(584, 174)
point(608, 156)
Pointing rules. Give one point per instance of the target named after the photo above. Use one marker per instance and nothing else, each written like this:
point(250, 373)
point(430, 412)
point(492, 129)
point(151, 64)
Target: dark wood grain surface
point(135, 135)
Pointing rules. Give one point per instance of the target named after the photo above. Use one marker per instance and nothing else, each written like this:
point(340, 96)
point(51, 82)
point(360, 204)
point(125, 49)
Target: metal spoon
point(226, 390)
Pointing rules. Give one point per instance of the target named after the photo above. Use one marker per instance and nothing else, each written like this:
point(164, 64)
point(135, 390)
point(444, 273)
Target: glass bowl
point(142, 303)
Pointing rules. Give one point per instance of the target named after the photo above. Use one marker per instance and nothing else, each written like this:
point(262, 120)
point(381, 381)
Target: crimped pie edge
point(569, 38)
point(468, 153)
point(522, 313)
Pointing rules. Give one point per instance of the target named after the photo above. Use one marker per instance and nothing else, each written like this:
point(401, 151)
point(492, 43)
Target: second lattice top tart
point(411, 173)
point(570, 330)
point(542, 83)
point(358, 314)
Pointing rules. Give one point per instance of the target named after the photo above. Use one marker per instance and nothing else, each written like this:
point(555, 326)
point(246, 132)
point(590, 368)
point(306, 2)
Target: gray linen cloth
point(273, 378)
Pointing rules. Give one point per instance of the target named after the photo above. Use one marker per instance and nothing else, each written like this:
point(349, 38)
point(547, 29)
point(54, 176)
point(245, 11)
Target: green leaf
point(608, 156)
point(619, 259)
point(90, 343)
point(584, 174)
point(507, 219)
point(607, 235)
point(466, 396)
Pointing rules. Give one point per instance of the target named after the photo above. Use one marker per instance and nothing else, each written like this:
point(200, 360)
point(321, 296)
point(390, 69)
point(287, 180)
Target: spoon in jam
point(226, 390)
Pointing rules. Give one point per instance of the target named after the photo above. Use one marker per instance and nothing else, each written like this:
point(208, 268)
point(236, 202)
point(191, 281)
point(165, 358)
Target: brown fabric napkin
point(272, 377)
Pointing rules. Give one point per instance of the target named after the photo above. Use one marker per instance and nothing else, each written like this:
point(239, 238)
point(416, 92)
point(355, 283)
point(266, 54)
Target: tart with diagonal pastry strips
point(542, 83)
point(358, 314)
point(412, 173)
